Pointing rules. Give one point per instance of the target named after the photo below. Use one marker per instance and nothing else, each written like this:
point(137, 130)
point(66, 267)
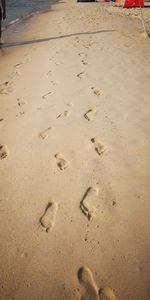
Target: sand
point(74, 158)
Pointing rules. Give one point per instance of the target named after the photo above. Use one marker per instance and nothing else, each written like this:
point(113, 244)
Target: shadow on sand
point(21, 43)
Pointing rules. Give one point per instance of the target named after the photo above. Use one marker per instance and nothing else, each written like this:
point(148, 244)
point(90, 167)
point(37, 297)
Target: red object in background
point(133, 3)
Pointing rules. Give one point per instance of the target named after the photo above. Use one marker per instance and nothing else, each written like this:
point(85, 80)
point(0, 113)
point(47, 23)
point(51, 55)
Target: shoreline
point(25, 13)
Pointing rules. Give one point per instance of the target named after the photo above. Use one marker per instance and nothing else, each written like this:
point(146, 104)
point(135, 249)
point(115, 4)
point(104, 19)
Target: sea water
point(17, 9)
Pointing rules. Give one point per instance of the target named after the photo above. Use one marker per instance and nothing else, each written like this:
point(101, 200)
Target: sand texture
point(75, 158)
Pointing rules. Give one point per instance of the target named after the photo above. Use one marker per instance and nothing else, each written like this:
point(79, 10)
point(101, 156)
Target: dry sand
point(75, 158)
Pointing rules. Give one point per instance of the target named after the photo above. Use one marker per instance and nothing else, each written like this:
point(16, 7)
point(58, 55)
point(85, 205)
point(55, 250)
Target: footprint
point(53, 82)
point(86, 280)
point(51, 58)
point(47, 220)
point(69, 104)
point(89, 201)
point(21, 113)
point(14, 74)
point(81, 75)
point(107, 294)
point(18, 65)
point(89, 115)
point(28, 60)
point(46, 95)
point(3, 151)
point(20, 102)
point(6, 88)
point(61, 162)
point(81, 54)
point(77, 40)
point(49, 72)
point(64, 114)
point(84, 62)
point(44, 134)
point(99, 147)
point(96, 91)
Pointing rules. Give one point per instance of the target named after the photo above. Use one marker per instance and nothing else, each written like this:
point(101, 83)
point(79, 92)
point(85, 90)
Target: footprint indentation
point(64, 114)
point(99, 147)
point(61, 162)
point(46, 95)
point(81, 75)
point(3, 151)
point(89, 202)
point(44, 134)
point(81, 54)
point(14, 74)
point(6, 88)
point(21, 113)
point(47, 220)
point(107, 294)
point(97, 92)
point(89, 115)
point(69, 104)
point(84, 62)
point(53, 82)
point(49, 72)
point(20, 102)
point(18, 65)
point(89, 287)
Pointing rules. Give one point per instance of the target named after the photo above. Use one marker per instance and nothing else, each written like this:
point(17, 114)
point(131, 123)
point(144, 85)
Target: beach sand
point(74, 158)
